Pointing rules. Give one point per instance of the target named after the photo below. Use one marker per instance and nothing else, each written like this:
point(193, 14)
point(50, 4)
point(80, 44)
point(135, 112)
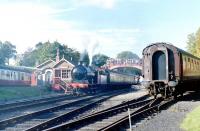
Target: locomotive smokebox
point(79, 72)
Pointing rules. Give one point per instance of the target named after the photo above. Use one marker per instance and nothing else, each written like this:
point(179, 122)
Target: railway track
point(114, 117)
point(34, 102)
point(66, 110)
point(25, 107)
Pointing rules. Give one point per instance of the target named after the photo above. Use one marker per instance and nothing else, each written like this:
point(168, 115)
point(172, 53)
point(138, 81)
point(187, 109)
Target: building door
point(48, 77)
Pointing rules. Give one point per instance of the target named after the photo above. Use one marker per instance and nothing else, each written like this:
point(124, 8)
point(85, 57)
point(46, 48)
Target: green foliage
point(7, 51)
point(128, 70)
point(48, 87)
point(28, 58)
point(192, 122)
point(47, 50)
point(99, 60)
point(127, 55)
point(193, 43)
point(17, 92)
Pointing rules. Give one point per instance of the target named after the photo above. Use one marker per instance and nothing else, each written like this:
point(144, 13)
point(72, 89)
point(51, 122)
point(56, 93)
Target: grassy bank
point(192, 121)
point(12, 93)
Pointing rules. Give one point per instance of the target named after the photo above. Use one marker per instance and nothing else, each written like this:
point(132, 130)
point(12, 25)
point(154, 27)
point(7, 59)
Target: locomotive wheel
point(174, 96)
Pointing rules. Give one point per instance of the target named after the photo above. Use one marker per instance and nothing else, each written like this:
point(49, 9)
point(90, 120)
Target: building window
point(57, 73)
point(64, 74)
point(68, 73)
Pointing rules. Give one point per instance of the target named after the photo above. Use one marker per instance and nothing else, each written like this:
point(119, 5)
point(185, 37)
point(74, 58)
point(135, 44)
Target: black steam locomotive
point(89, 79)
point(169, 71)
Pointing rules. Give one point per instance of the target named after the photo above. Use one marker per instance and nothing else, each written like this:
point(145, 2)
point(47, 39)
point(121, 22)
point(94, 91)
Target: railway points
point(59, 113)
point(172, 117)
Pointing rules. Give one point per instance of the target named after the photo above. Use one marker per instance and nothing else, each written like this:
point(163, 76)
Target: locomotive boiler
point(168, 70)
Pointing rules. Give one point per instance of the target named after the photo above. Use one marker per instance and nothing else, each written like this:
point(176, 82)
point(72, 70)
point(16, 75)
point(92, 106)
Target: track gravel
point(169, 119)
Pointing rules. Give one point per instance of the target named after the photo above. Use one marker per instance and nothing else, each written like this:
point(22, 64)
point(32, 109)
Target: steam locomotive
point(88, 79)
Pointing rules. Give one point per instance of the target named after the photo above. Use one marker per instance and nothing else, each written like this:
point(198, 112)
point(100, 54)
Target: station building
point(49, 72)
point(52, 71)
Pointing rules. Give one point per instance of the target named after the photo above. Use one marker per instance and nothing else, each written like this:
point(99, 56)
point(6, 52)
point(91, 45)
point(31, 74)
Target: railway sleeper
point(14, 129)
point(23, 125)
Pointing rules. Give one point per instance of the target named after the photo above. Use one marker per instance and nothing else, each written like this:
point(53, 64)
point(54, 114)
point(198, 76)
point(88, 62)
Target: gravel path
point(113, 101)
point(170, 119)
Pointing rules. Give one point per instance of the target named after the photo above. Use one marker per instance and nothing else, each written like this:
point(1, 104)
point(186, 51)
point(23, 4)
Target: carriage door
point(159, 65)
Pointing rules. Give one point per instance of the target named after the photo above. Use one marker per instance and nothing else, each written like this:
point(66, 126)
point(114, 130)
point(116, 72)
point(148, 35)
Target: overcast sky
point(111, 26)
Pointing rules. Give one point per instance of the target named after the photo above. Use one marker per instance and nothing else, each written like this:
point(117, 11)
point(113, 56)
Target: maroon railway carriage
point(16, 76)
point(168, 70)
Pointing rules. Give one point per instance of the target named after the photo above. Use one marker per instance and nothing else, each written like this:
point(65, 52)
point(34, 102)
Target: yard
point(15, 93)
point(192, 121)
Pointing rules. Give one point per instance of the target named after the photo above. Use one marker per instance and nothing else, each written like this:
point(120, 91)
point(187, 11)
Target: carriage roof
point(17, 68)
point(169, 45)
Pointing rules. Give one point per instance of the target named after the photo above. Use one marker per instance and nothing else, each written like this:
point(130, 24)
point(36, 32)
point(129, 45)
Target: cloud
point(27, 24)
point(124, 30)
point(106, 4)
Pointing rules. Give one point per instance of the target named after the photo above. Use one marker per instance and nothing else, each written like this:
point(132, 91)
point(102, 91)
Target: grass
point(13, 93)
point(192, 121)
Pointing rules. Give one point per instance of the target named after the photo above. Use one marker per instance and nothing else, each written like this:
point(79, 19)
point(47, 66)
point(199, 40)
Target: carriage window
point(188, 59)
point(14, 76)
point(2, 74)
point(8, 75)
point(22, 76)
point(11, 75)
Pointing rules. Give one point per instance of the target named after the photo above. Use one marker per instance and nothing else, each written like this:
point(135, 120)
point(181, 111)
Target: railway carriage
point(168, 70)
point(17, 76)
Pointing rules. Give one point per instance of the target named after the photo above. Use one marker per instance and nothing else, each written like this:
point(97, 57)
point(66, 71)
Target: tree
point(7, 51)
point(193, 43)
point(127, 55)
point(99, 60)
point(29, 58)
point(48, 50)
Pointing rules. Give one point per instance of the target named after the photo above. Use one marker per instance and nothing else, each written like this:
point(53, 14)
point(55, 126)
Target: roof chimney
point(57, 56)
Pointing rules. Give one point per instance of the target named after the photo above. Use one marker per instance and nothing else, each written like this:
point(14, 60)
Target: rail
point(100, 115)
point(23, 118)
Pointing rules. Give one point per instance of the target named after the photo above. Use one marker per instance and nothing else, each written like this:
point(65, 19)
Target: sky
point(100, 26)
